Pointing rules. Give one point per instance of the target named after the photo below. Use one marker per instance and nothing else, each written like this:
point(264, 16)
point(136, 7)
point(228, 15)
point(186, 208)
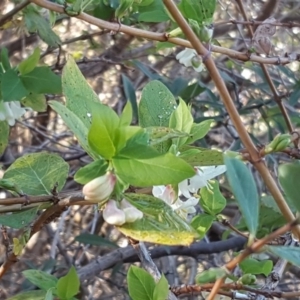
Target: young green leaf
point(198, 131)
point(91, 171)
point(78, 93)
point(163, 169)
point(182, 120)
point(245, 192)
point(212, 200)
point(5, 59)
point(126, 116)
point(38, 173)
point(75, 124)
point(141, 284)
point(289, 175)
point(210, 275)
point(256, 267)
point(160, 224)
point(102, 134)
point(28, 64)
point(202, 223)
point(161, 289)
point(68, 286)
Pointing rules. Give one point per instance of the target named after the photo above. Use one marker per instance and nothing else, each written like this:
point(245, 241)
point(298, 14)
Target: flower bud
point(132, 214)
point(112, 214)
point(99, 188)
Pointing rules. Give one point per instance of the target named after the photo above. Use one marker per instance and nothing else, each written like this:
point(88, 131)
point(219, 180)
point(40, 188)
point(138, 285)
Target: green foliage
point(4, 134)
point(289, 179)
point(41, 279)
point(37, 23)
point(28, 64)
point(290, 253)
point(212, 201)
point(91, 171)
point(38, 173)
point(160, 224)
point(68, 285)
point(202, 223)
point(20, 219)
point(256, 267)
point(210, 275)
point(36, 295)
point(141, 285)
point(244, 190)
point(130, 94)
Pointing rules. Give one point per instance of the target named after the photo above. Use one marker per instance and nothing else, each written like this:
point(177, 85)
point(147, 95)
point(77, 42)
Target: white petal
point(158, 190)
point(183, 189)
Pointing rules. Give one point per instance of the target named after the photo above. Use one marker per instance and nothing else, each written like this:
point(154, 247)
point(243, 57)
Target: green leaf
point(28, 64)
point(126, 116)
point(203, 157)
point(245, 192)
point(155, 108)
point(20, 219)
point(30, 295)
point(12, 87)
point(36, 101)
point(129, 92)
point(68, 286)
point(192, 91)
point(161, 289)
point(155, 12)
point(199, 131)
point(290, 253)
point(202, 223)
point(37, 23)
point(210, 275)
point(156, 105)
point(140, 284)
point(102, 133)
point(93, 239)
point(161, 134)
point(42, 80)
point(164, 169)
point(75, 125)
point(182, 120)
point(289, 179)
point(91, 171)
point(79, 95)
point(38, 173)
point(199, 10)
point(41, 279)
point(212, 200)
point(5, 59)
point(160, 224)
point(256, 267)
point(4, 135)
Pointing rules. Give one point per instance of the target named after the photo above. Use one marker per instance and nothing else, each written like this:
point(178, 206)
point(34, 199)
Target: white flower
point(10, 111)
point(126, 213)
point(99, 188)
point(168, 195)
point(189, 58)
point(132, 214)
point(112, 214)
point(204, 174)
